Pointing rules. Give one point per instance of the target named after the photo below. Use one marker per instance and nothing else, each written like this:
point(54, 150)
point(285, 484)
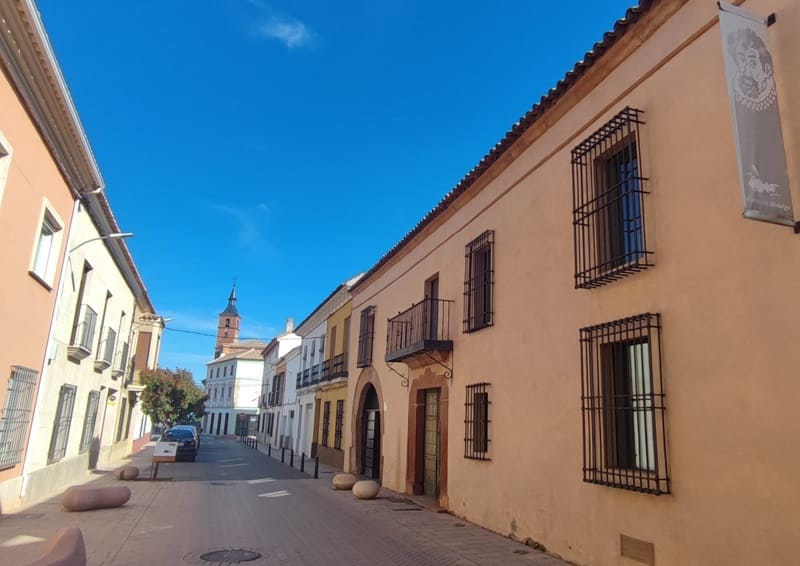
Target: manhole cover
point(232, 556)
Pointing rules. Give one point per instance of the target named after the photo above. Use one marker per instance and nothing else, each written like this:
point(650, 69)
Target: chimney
point(289, 325)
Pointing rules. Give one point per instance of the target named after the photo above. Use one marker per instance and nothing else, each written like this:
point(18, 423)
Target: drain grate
point(232, 556)
point(399, 500)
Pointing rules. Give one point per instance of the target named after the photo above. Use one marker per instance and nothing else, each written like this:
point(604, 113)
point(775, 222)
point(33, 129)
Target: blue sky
point(291, 144)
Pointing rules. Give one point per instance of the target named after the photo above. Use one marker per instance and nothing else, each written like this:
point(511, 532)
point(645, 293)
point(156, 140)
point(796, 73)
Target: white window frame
point(6, 153)
point(43, 264)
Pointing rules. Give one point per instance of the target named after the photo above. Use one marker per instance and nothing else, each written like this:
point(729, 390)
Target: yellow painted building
point(331, 397)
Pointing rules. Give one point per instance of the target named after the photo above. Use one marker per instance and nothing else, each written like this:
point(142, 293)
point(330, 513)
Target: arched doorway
point(371, 435)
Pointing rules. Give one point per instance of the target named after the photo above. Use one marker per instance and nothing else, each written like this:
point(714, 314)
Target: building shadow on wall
point(94, 453)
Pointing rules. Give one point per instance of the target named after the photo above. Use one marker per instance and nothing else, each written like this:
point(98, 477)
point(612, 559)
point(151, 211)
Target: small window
point(224, 371)
point(61, 424)
point(326, 423)
point(608, 191)
point(476, 422)
point(479, 282)
point(227, 323)
point(45, 254)
point(337, 434)
point(366, 337)
point(16, 415)
point(623, 405)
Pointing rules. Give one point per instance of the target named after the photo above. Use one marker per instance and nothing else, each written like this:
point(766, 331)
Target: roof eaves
point(621, 26)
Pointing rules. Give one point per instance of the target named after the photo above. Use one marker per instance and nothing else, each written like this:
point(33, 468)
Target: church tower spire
point(229, 323)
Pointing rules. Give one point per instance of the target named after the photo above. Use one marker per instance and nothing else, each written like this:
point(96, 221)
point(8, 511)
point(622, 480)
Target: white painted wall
point(104, 279)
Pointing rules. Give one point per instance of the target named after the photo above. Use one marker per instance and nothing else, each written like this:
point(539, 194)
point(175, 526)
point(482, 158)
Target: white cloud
point(290, 31)
point(248, 227)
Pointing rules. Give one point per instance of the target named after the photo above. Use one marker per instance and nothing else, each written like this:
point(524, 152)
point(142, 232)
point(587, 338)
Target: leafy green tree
point(171, 397)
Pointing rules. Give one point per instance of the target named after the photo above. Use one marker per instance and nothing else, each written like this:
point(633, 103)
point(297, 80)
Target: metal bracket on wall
point(403, 378)
point(448, 371)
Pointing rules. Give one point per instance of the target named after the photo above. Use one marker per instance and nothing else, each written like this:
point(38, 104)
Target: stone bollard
point(127, 472)
point(366, 489)
point(79, 498)
point(65, 549)
point(344, 481)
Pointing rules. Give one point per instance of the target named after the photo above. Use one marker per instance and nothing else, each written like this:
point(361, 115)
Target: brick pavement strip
point(263, 506)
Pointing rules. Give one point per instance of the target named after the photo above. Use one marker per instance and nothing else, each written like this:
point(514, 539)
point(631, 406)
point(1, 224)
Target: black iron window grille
point(479, 282)
point(337, 433)
point(622, 399)
point(326, 423)
point(476, 422)
point(366, 337)
point(89, 420)
point(61, 424)
point(16, 415)
point(608, 191)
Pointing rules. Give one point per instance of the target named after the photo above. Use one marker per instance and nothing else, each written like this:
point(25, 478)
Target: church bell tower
point(228, 326)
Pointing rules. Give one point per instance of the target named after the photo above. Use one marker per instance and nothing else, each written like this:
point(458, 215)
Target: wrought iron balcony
point(83, 335)
point(121, 362)
point(315, 374)
point(425, 327)
point(105, 355)
point(337, 366)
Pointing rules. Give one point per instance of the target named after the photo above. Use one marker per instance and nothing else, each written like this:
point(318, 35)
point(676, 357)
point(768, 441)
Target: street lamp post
point(114, 236)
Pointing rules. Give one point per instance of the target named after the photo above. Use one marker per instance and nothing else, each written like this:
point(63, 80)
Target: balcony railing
point(338, 366)
point(425, 327)
point(83, 335)
point(106, 351)
point(121, 362)
point(315, 371)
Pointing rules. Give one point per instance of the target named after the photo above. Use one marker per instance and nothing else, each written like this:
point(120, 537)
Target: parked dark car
point(193, 429)
point(187, 442)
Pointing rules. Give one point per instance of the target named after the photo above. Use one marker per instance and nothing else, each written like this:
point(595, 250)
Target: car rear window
point(179, 433)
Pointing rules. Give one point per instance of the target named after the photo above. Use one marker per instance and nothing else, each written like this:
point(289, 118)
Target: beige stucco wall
point(104, 279)
point(725, 287)
point(26, 305)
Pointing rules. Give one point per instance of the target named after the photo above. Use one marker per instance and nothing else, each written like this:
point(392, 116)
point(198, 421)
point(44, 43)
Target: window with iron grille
point(61, 425)
point(366, 337)
point(476, 422)
point(16, 415)
point(337, 433)
point(479, 282)
point(622, 390)
point(326, 423)
point(608, 191)
point(89, 420)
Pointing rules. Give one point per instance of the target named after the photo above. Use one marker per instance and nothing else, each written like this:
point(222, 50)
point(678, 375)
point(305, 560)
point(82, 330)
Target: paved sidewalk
point(237, 497)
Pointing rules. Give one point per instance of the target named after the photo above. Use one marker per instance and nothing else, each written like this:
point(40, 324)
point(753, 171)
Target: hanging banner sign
point(756, 120)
